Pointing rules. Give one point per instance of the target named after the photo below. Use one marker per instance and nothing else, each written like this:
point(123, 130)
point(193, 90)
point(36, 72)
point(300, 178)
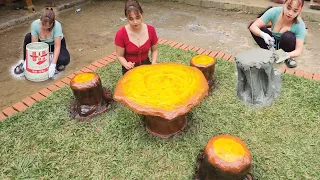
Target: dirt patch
point(90, 34)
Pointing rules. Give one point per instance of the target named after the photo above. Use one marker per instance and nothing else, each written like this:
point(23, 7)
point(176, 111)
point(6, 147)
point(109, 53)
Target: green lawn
point(44, 142)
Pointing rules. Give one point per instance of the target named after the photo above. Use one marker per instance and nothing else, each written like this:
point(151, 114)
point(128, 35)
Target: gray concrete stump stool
point(258, 83)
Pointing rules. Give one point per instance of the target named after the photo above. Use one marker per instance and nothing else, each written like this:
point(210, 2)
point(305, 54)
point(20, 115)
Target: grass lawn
point(44, 142)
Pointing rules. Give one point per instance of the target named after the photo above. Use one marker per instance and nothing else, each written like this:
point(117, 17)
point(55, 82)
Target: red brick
point(160, 40)
point(85, 70)
point(226, 57)
point(173, 43)
point(59, 84)
point(190, 47)
point(78, 72)
point(308, 75)
point(103, 61)
point(9, 111)
point(200, 51)
point(114, 53)
point(213, 53)
point(163, 41)
point(71, 76)
point(184, 47)
point(111, 56)
point(283, 68)
point(231, 59)
point(109, 59)
point(97, 64)
point(178, 45)
point(206, 52)
point(46, 92)
point(28, 101)
point(2, 116)
point(168, 42)
point(66, 80)
point(19, 106)
point(37, 96)
point(316, 77)
point(91, 67)
point(53, 87)
point(220, 54)
point(299, 73)
point(195, 48)
point(290, 71)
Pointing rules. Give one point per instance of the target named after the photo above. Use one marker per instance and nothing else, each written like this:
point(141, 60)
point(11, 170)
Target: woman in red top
point(134, 40)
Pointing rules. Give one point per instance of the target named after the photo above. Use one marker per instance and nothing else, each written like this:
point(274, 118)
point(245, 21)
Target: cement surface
point(90, 35)
point(255, 58)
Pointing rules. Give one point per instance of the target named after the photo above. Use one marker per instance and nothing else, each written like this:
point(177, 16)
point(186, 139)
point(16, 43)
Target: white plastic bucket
point(37, 61)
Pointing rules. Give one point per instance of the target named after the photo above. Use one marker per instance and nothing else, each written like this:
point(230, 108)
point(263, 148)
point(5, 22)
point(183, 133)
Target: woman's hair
point(132, 6)
point(301, 3)
point(48, 16)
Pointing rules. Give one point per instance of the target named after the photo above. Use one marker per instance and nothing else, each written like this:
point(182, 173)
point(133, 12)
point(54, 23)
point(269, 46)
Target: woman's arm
point(57, 47)
point(298, 50)
point(120, 55)
point(34, 38)
point(154, 54)
point(256, 26)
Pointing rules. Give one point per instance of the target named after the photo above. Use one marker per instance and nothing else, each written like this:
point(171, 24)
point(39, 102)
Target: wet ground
point(90, 34)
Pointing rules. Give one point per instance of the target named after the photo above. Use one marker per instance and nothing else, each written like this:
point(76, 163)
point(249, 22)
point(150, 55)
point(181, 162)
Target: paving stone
point(2, 116)
point(19, 106)
point(46, 92)
point(9, 111)
point(28, 101)
point(59, 84)
point(53, 87)
point(93, 68)
point(97, 64)
point(37, 96)
point(308, 75)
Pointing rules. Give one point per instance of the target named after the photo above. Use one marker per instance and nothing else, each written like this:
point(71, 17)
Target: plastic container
point(37, 61)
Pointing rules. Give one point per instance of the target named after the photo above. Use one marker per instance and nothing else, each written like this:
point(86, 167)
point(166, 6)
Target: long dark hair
point(132, 6)
point(48, 16)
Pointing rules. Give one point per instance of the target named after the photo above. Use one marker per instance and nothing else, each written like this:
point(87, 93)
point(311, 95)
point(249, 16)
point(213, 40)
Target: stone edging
point(45, 92)
point(23, 19)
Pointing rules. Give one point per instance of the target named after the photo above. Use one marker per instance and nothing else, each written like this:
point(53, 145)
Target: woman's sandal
point(291, 63)
point(19, 69)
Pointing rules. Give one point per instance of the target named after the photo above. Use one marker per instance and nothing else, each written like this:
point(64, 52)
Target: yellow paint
point(83, 77)
point(228, 149)
point(202, 60)
point(165, 86)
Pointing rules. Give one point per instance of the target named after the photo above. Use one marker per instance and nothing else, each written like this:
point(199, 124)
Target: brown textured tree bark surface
point(225, 157)
point(206, 66)
point(90, 98)
point(164, 128)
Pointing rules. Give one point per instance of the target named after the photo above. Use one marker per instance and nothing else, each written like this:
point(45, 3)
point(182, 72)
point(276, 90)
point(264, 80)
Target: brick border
point(45, 92)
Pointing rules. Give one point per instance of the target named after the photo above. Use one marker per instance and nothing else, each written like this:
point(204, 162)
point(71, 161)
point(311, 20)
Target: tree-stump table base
point(158, 126)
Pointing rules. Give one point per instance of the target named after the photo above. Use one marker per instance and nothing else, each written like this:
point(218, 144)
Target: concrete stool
point(225, 158)
point(258, 82)
point(90, 97)
point(206, 65)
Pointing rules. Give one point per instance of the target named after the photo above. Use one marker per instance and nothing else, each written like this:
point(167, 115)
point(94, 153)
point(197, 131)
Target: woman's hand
point(128, 65)
point(267, 38)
